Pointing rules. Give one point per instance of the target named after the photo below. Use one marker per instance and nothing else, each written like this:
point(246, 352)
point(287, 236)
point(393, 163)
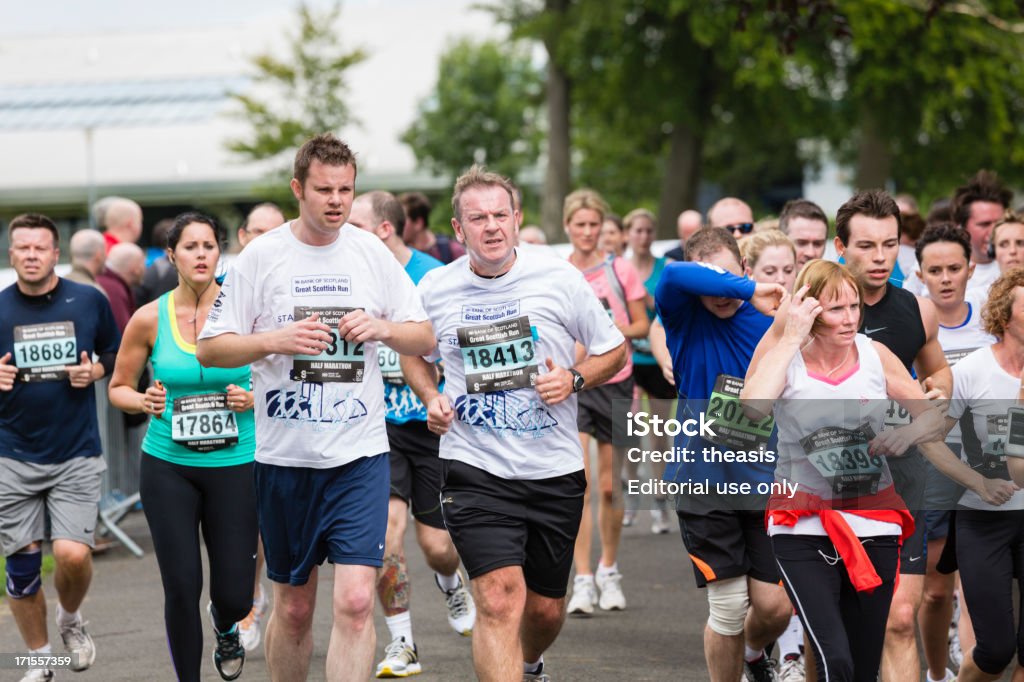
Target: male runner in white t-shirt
point(506, 329)
point(307, 305)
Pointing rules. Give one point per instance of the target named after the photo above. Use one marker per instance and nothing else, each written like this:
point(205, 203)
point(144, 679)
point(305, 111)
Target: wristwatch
point(577, 381)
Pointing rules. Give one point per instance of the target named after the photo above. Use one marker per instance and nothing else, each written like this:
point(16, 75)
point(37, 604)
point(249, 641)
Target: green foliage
point(300, 96)
point(484, 109)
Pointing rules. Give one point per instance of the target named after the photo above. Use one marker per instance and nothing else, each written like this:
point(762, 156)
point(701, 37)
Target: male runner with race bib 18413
point(513, 485)
point(307, 306)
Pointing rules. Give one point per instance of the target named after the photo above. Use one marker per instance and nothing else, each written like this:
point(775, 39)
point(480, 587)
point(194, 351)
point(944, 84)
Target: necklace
point(841, 362)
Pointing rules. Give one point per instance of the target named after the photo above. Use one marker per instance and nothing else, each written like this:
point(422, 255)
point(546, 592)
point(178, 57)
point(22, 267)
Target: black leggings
point(177, 500)
point(846, 628)
point(989, 547)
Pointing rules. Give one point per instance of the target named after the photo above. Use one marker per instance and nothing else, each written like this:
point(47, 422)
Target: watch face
point(577, 381)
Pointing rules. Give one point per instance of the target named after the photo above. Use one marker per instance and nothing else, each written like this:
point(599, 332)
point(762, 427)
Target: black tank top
point(895, 321)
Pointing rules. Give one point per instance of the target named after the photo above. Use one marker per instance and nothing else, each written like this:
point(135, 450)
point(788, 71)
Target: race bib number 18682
point(42, 350)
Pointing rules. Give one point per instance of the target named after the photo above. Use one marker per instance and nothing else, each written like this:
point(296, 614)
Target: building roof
point(86, 105)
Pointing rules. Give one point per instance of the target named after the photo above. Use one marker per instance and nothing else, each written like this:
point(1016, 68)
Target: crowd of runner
point(858, 488)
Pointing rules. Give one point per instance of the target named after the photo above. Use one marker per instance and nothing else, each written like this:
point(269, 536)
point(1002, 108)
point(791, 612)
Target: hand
point(767, 297)
point(440, 414)
point(8, 373)
point(936, 394)
point(800, 315)
point(555, 385)
point(239, 399)
point(996, 491)
point(893, 442)
point(154, 400)
point(357, 326)
point(81, 375)
point(302, 337)
point(666, 371)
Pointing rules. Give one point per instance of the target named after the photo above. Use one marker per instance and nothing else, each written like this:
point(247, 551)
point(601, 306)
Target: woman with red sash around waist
point(837, 523)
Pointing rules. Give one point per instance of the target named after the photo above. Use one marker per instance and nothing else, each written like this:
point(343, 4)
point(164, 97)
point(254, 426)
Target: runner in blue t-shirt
point(415, 470)
point(713, 323)
point(50, 464)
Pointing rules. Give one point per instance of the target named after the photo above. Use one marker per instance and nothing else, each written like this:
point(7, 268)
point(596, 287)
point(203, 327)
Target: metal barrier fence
point(122, 448)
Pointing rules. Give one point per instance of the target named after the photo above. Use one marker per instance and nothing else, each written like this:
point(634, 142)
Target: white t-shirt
point(981, 385)
point(981, 281)
point(323, 411)
point(500, 332)
point(960, 341)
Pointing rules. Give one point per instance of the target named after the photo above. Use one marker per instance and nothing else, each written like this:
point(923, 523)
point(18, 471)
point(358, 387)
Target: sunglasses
point(745, 228)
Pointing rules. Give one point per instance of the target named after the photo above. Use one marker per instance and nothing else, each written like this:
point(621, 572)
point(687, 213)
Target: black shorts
point(909, 477)
point(595, 411)
point(416, 470)
point(727, 544)
point(496, 522)
point(650, 379)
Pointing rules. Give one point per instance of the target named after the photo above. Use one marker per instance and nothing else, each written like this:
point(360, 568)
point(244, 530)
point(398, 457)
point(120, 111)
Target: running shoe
point(249, 627)
point(761, 670)
point(659, 522)
point(461, 607)
point(584, 596)
point(229, 654)
point(539, 676)
point(400, 660)
point(628, 518)
point(610, 586)
point(79, 644)
point(792, 670)
point(956, 654)
point(38, 675)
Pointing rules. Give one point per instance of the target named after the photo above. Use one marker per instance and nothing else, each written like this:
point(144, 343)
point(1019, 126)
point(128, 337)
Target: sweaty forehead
point(35, 236)
point(487, 198)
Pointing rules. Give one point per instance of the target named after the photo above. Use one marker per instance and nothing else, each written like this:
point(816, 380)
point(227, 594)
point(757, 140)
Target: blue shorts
point(308, 515)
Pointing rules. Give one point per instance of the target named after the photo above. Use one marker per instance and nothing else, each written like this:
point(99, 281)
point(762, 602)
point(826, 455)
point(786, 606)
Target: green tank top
point(196, 428)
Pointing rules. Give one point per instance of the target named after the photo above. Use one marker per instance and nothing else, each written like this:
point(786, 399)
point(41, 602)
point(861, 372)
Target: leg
point(584, 538)
point(393, 577)
point(172, 505)
point(769, 613)
point(350, 653)
point(290, 630)
point(900, 658)
point(73, 572)
point(865, 614)
point(438, 549)
point(500, 601)
point(610, 508)
point(29, 610)
point(542, 621)
point(936, 612)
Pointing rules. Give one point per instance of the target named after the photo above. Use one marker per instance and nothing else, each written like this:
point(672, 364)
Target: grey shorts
point(69, 491)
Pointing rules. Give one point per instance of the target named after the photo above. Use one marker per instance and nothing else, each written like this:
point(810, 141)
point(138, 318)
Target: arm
point(682, 280)
point(406, 338)
point(930, 362)
point(556, 384)
point(304, 337)
point(421, 376)
point(991, 490)
point(928, 424)
point(640, 325)
point(659, 349)
point(136, 347)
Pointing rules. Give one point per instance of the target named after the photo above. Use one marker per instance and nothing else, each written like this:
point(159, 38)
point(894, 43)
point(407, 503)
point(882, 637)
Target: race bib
point(498, 356)
point(955, 356)
point(841, 457)
point(342, 361)
point(733, 428)
point(203, 422)
point(390, 367)
point(42, 350)
point(993, 451)
point(895, 416)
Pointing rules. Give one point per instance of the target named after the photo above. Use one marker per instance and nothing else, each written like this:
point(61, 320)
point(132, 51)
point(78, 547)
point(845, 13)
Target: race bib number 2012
point(499, 356)
point(342, 361)
point(42, 350)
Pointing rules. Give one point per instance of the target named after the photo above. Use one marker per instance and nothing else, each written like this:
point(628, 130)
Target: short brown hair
point(709, 240)
point(984, 186)
point(34, 220)
point(872, 203)
point(826, 278)
point(478, 177)
point(581, 199)
point(325, 148)
point(417, 206)
point(385, 207)
point(995, 316)
point(801, 208)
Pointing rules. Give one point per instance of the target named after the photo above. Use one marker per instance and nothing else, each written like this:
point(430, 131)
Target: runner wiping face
point(720, 306)
point(488, 226)
point(872, 248)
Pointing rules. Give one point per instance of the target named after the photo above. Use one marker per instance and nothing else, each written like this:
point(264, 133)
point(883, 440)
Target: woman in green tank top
point(197, 456)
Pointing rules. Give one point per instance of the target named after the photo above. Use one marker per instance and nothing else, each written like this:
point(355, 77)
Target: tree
point(300, 96)
point(484, 109)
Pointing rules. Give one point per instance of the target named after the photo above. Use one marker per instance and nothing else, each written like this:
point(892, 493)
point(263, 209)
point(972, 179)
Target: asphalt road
point(658, 636)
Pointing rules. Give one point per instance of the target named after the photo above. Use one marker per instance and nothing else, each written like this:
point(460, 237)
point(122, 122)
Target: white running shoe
point(584, 596)
point(539, 676)
point(400, 660)
point(612, 598)
point(38, 675)
point(792, 670)
point(79, 644)
point(461, 607)
point(659, 522)
point(628, 518)
point(249, 627)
